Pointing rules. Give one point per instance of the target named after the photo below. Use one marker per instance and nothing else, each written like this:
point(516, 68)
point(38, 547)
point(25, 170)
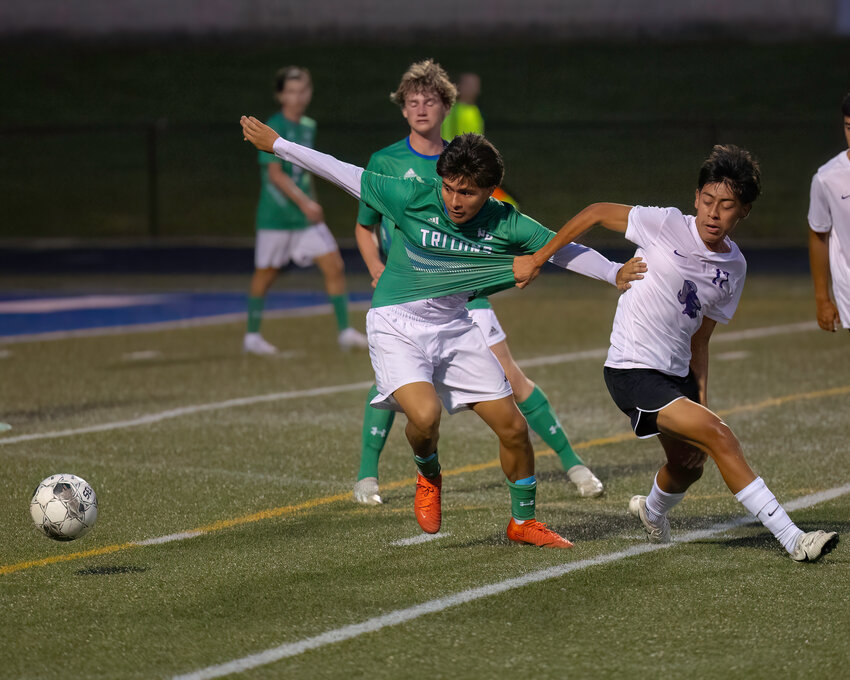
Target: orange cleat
point(534, 532)
point(426, 504)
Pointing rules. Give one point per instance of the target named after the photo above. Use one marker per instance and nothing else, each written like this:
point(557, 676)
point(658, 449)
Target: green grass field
point(577, 122)
point(283, 556)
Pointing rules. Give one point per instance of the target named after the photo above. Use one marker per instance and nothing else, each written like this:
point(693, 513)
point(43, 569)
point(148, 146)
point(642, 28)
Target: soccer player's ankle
point(659, 502)
point(523, 493)
point(429, 466)
point(340, 307)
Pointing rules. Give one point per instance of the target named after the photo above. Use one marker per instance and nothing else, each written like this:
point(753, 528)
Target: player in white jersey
point(657, 365)
point(829, 235)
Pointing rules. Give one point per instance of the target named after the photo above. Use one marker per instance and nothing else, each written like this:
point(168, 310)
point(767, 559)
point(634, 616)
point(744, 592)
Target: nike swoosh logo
point(676, 252)
point(770, 514)
point(843, 196)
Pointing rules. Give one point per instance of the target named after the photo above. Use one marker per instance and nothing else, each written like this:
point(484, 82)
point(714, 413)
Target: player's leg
point(535, 406)
point(270, 254)
point(696, 425)
point(377, 423)
point(423, 409)
point(327, 258)
point(684, 466)
point(517, 457)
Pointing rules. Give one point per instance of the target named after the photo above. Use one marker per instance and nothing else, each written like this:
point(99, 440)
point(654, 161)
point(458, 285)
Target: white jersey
point(829, 211)
point(684, 282)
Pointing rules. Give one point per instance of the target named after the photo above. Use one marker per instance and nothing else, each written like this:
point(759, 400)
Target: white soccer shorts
point(486, 320)
point(453, 356)
point(276, 247)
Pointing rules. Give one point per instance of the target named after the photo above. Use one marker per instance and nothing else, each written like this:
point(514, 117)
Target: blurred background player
point(289, 222)
point(829, 235)
point(465, 116)
point(425, 95)
point(657, 365)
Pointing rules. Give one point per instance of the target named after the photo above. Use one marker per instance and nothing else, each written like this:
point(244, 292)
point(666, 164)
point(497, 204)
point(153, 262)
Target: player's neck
point(293, 115)
point(427, 145)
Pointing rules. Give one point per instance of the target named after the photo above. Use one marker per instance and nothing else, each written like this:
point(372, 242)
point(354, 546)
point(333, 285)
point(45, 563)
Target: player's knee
point(514, 431)
point(425, 418)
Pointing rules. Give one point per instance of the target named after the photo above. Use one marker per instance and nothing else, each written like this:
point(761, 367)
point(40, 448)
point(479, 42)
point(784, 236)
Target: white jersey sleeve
point(820, 217)
point(344, 175)
point(645, 224)
point(587, 262)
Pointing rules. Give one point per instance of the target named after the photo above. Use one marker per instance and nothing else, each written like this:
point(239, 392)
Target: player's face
point(424, 112)
point(295, 96)
point(464, 198)
point(718, 211)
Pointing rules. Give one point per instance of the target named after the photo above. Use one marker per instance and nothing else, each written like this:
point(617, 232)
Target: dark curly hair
point(472, 157)
point(736, 168)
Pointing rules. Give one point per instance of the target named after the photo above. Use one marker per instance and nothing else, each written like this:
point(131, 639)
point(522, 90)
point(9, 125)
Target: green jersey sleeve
point(367, 215)
point(386, 195)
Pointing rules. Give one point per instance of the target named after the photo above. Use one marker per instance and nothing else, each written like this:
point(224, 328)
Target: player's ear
point(696, 199)
point(745, 210)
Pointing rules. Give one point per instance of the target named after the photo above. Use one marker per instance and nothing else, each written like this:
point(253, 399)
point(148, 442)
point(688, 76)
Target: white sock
point(762, 504)
point(659, 503)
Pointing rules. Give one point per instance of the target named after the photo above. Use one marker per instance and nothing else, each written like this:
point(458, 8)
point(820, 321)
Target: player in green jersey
point(289, 222)
point(464, 116)
point(424, 95)
point(451, 243)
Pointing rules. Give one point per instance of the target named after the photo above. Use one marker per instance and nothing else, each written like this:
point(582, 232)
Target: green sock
point(523, 492)
point(376, 427)
point(255, 313)
point(428, 467)
point(340, 305)
point(542, 419)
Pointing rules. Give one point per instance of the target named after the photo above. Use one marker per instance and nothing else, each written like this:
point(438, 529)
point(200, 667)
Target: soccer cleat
point(587, 483)
point(814, 545)
point(366, 491)
point(352, 339)
point(656, 533)
point(255, 344)
point(426, 504)
point(535, 533)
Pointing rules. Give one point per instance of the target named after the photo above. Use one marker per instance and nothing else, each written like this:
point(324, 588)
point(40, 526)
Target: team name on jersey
point(439, 239)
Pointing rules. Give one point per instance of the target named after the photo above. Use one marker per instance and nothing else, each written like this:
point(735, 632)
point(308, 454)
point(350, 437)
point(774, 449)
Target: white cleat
point(586, 482)
point(366, 491)
point(352, 339)
point(814, 545)
point(656, 533)
point(255, 344)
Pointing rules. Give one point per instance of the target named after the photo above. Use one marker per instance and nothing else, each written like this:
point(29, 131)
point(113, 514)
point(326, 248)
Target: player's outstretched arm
point(367, 244)
point(612, 216)
point(344, 175)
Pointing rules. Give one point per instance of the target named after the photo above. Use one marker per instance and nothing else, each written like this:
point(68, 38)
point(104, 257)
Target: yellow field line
point(336, 498)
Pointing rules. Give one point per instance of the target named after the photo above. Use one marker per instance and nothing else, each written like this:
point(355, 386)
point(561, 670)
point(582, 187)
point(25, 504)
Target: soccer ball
point(64, 507)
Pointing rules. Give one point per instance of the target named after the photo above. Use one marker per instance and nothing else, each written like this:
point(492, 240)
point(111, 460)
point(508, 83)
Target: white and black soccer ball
point(64, 507)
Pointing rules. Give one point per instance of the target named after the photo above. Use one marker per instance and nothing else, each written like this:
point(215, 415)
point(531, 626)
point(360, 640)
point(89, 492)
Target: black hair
point(472, 157)
point(845, 105)
point(736, 168)
point(289, 73)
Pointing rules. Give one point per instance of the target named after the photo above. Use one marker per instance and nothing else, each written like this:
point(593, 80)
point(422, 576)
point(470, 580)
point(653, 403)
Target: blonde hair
point(425, 76)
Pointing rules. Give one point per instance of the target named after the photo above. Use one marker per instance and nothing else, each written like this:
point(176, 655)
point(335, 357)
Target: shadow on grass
point(107, 571)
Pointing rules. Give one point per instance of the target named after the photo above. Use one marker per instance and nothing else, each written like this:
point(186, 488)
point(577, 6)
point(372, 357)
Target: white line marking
point(404, 615)
point(335, 389)
point(421, 538)
point(179, 324)
point(181, 536)
point(189, 410)
point(66, 304)
point(731, 356)
point(142, 355)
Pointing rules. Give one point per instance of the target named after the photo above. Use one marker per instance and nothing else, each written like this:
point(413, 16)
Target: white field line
point(336, 389)
point(418, 540)
point(179, 324)
point(401, 616)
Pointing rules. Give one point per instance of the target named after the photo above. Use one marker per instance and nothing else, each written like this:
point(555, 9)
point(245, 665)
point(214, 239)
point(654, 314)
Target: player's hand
point(313, 212)
point(375, 273)
point(631, 271)
point(525, 270)
point(259, 134)
point(828, 317)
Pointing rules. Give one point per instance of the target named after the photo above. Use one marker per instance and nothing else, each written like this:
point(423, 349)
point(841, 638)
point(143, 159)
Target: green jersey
point(431, 256)
point(395, 160)
point(275, 210)
point(401, 160)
